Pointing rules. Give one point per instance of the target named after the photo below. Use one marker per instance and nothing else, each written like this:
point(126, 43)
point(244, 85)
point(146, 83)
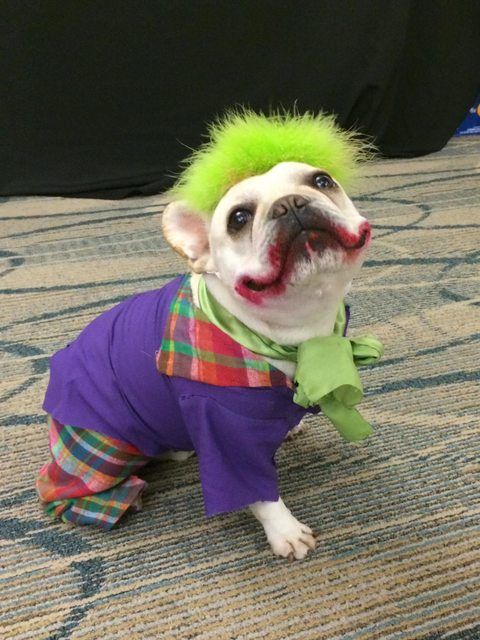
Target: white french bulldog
point(279, 253)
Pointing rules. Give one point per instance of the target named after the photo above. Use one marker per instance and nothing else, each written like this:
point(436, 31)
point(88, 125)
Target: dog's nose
point(288, 203)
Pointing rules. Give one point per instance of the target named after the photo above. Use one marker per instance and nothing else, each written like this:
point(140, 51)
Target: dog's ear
point(187, 232)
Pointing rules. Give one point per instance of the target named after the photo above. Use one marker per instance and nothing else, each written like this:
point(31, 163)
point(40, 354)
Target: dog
point(293, 293)
point(278, 255)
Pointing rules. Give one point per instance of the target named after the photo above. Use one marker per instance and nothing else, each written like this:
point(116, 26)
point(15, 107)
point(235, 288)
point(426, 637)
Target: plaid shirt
point(194, 348)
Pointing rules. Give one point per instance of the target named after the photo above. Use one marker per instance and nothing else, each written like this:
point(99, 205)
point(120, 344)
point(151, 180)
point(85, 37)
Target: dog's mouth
point(305, 244)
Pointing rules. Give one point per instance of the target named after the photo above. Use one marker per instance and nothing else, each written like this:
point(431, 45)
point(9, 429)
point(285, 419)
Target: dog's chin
point(311, 253)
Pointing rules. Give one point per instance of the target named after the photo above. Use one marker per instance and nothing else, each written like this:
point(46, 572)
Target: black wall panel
point(102, 98)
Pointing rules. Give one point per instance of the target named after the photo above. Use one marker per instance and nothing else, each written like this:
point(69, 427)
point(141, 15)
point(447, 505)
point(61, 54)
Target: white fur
point(287, 536)
point(306, 309)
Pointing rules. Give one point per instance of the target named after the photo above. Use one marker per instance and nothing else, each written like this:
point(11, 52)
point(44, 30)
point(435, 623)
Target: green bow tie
point(326, 372)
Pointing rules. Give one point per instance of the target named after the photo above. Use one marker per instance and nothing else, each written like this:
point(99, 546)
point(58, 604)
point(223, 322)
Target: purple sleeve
point(236, 452)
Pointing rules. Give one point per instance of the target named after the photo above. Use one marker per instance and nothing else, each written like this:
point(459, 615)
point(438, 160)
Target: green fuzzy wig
point(245, 143)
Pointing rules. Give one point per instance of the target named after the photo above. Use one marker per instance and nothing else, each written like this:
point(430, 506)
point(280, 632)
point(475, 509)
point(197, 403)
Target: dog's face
point(289, 230)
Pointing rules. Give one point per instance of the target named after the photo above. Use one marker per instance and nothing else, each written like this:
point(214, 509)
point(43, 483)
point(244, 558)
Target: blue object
point(471, 124)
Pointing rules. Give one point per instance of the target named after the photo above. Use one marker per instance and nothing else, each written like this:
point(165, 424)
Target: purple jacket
point(106, 380)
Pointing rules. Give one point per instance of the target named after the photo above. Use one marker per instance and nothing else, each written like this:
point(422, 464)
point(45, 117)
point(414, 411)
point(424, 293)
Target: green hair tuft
point(244, 143)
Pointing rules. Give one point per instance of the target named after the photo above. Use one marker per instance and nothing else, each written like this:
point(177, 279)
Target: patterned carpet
point(398, 516)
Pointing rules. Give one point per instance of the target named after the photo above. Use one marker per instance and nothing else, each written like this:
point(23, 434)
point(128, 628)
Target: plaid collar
point(194, 348)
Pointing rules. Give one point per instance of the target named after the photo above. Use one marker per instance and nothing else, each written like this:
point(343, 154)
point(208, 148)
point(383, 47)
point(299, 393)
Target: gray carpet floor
point(398, 516)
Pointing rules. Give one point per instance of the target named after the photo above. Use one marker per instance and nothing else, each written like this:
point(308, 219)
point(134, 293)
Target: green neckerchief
point(326, 372)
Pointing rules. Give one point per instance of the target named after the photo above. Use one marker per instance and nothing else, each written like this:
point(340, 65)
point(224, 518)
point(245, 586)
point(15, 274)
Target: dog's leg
point(296, 431)
point(287, 536)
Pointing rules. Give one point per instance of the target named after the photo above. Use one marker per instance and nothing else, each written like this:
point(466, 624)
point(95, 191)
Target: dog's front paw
point(293, 541)
point(287, 536)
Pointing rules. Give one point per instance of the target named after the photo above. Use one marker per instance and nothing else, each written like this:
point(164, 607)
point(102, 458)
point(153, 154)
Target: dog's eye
point(238, 218)
point(323, 181)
